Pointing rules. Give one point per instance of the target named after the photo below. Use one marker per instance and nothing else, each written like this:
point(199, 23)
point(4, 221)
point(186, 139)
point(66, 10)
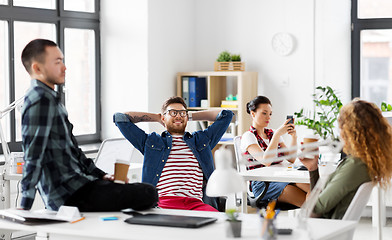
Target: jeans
point(106, 196)
point(273, 191)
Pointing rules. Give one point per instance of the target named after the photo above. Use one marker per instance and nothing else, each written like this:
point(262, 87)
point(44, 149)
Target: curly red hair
point(368, 136)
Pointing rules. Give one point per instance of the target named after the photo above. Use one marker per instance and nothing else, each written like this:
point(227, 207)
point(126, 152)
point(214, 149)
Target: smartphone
point(291, 119)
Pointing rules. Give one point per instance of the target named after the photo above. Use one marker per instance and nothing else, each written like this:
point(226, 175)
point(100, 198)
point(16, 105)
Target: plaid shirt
point(54, 164)
point(263, 145)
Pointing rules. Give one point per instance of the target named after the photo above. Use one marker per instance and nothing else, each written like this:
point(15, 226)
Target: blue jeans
point(273, 192)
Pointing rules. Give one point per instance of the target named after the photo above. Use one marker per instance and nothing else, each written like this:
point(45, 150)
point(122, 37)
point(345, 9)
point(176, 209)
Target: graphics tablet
point(169, 220)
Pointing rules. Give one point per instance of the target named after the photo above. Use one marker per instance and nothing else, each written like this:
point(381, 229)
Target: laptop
point(112, 149)
point(169, 220)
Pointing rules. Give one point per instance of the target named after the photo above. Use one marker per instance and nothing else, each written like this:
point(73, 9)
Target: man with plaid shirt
point(54, 164)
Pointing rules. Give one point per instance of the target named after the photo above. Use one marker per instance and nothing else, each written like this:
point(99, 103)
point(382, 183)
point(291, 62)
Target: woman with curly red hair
point(367, 137)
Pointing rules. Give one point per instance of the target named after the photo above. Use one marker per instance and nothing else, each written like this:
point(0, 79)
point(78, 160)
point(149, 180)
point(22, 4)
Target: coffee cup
point(312, 151)
point(121, 171)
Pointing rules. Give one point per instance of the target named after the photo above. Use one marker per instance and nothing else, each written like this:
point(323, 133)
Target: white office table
point(93, 228)
point(273, 173)
point(285, 173)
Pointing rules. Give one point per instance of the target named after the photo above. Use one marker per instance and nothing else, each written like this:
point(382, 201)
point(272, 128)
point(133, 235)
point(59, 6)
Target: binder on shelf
point(185, 90)
point(197, 91)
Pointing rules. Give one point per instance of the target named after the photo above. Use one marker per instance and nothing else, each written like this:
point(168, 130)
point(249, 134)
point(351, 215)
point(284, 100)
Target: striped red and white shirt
point(182, 175)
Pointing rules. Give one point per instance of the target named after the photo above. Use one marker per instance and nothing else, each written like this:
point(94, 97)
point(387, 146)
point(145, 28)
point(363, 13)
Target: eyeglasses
point(174, 113)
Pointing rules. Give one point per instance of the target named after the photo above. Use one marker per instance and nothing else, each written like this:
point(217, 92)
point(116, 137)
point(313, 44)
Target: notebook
point(169, 220)
point(29, 217)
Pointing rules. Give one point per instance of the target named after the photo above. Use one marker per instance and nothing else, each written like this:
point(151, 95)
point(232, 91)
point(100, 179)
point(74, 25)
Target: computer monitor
point(112, 149)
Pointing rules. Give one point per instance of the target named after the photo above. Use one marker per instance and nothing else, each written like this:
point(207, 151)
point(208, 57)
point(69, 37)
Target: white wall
point(247, 27)
point(144, 45)
point(188, 35)
point(171, 48)
point(124, 47)
point(333, 46)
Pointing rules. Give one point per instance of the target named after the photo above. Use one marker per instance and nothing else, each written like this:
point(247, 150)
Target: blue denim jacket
point(156, 148)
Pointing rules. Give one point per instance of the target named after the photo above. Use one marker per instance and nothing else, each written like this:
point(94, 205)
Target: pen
point(270, 213)
point(260, 213)
point(271, 205)
point(263, 212)
point(276, 213)
point(80, 219)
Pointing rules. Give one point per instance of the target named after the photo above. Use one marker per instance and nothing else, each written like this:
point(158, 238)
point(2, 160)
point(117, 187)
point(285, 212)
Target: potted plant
point(228, 62)
point(385, 107)
point(386, 110)
point(233, 224)
point(323, 119)
point(236, 58)
point(224, 57)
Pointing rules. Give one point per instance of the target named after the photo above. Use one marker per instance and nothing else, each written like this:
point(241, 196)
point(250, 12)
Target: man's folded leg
point(104, 196)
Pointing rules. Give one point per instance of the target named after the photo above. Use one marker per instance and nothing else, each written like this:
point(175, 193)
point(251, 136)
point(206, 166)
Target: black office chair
point(257, 202)
point(219, 203)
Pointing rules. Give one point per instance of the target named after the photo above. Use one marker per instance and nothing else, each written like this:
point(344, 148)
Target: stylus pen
point(80, 219)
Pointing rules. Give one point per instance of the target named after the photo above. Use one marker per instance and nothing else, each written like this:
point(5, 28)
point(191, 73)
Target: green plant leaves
point(225, 56)
point(385, 107)
point(236, 58)
point(231, 214)
point(328, 106)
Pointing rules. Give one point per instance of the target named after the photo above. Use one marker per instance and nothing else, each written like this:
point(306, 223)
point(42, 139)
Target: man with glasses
point(177, 162)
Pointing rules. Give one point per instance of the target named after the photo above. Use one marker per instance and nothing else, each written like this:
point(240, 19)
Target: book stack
point(194, 89)
point(229, 104)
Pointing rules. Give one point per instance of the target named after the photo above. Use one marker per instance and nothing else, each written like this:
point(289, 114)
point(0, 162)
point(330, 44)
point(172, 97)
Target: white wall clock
point(283, 43)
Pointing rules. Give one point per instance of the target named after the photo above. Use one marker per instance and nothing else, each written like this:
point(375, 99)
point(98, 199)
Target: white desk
point(284, 173)
point(273, 173)
point(93, 228)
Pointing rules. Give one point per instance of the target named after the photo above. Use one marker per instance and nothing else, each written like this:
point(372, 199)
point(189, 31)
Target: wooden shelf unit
point(246, 87)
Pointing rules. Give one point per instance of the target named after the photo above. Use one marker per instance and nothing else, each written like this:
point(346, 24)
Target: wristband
point(190, 116)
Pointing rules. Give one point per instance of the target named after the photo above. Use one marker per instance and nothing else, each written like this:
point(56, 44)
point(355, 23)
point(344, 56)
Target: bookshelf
point(220, 85)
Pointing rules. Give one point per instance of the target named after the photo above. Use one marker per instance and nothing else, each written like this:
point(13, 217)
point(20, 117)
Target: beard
point(176, 129)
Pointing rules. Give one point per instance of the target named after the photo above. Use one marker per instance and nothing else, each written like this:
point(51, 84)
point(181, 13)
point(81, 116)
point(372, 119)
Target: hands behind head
point(160, 120)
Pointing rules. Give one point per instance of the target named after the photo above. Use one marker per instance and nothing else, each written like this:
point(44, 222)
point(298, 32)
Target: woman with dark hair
point(261, 143)
point(367, 137)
